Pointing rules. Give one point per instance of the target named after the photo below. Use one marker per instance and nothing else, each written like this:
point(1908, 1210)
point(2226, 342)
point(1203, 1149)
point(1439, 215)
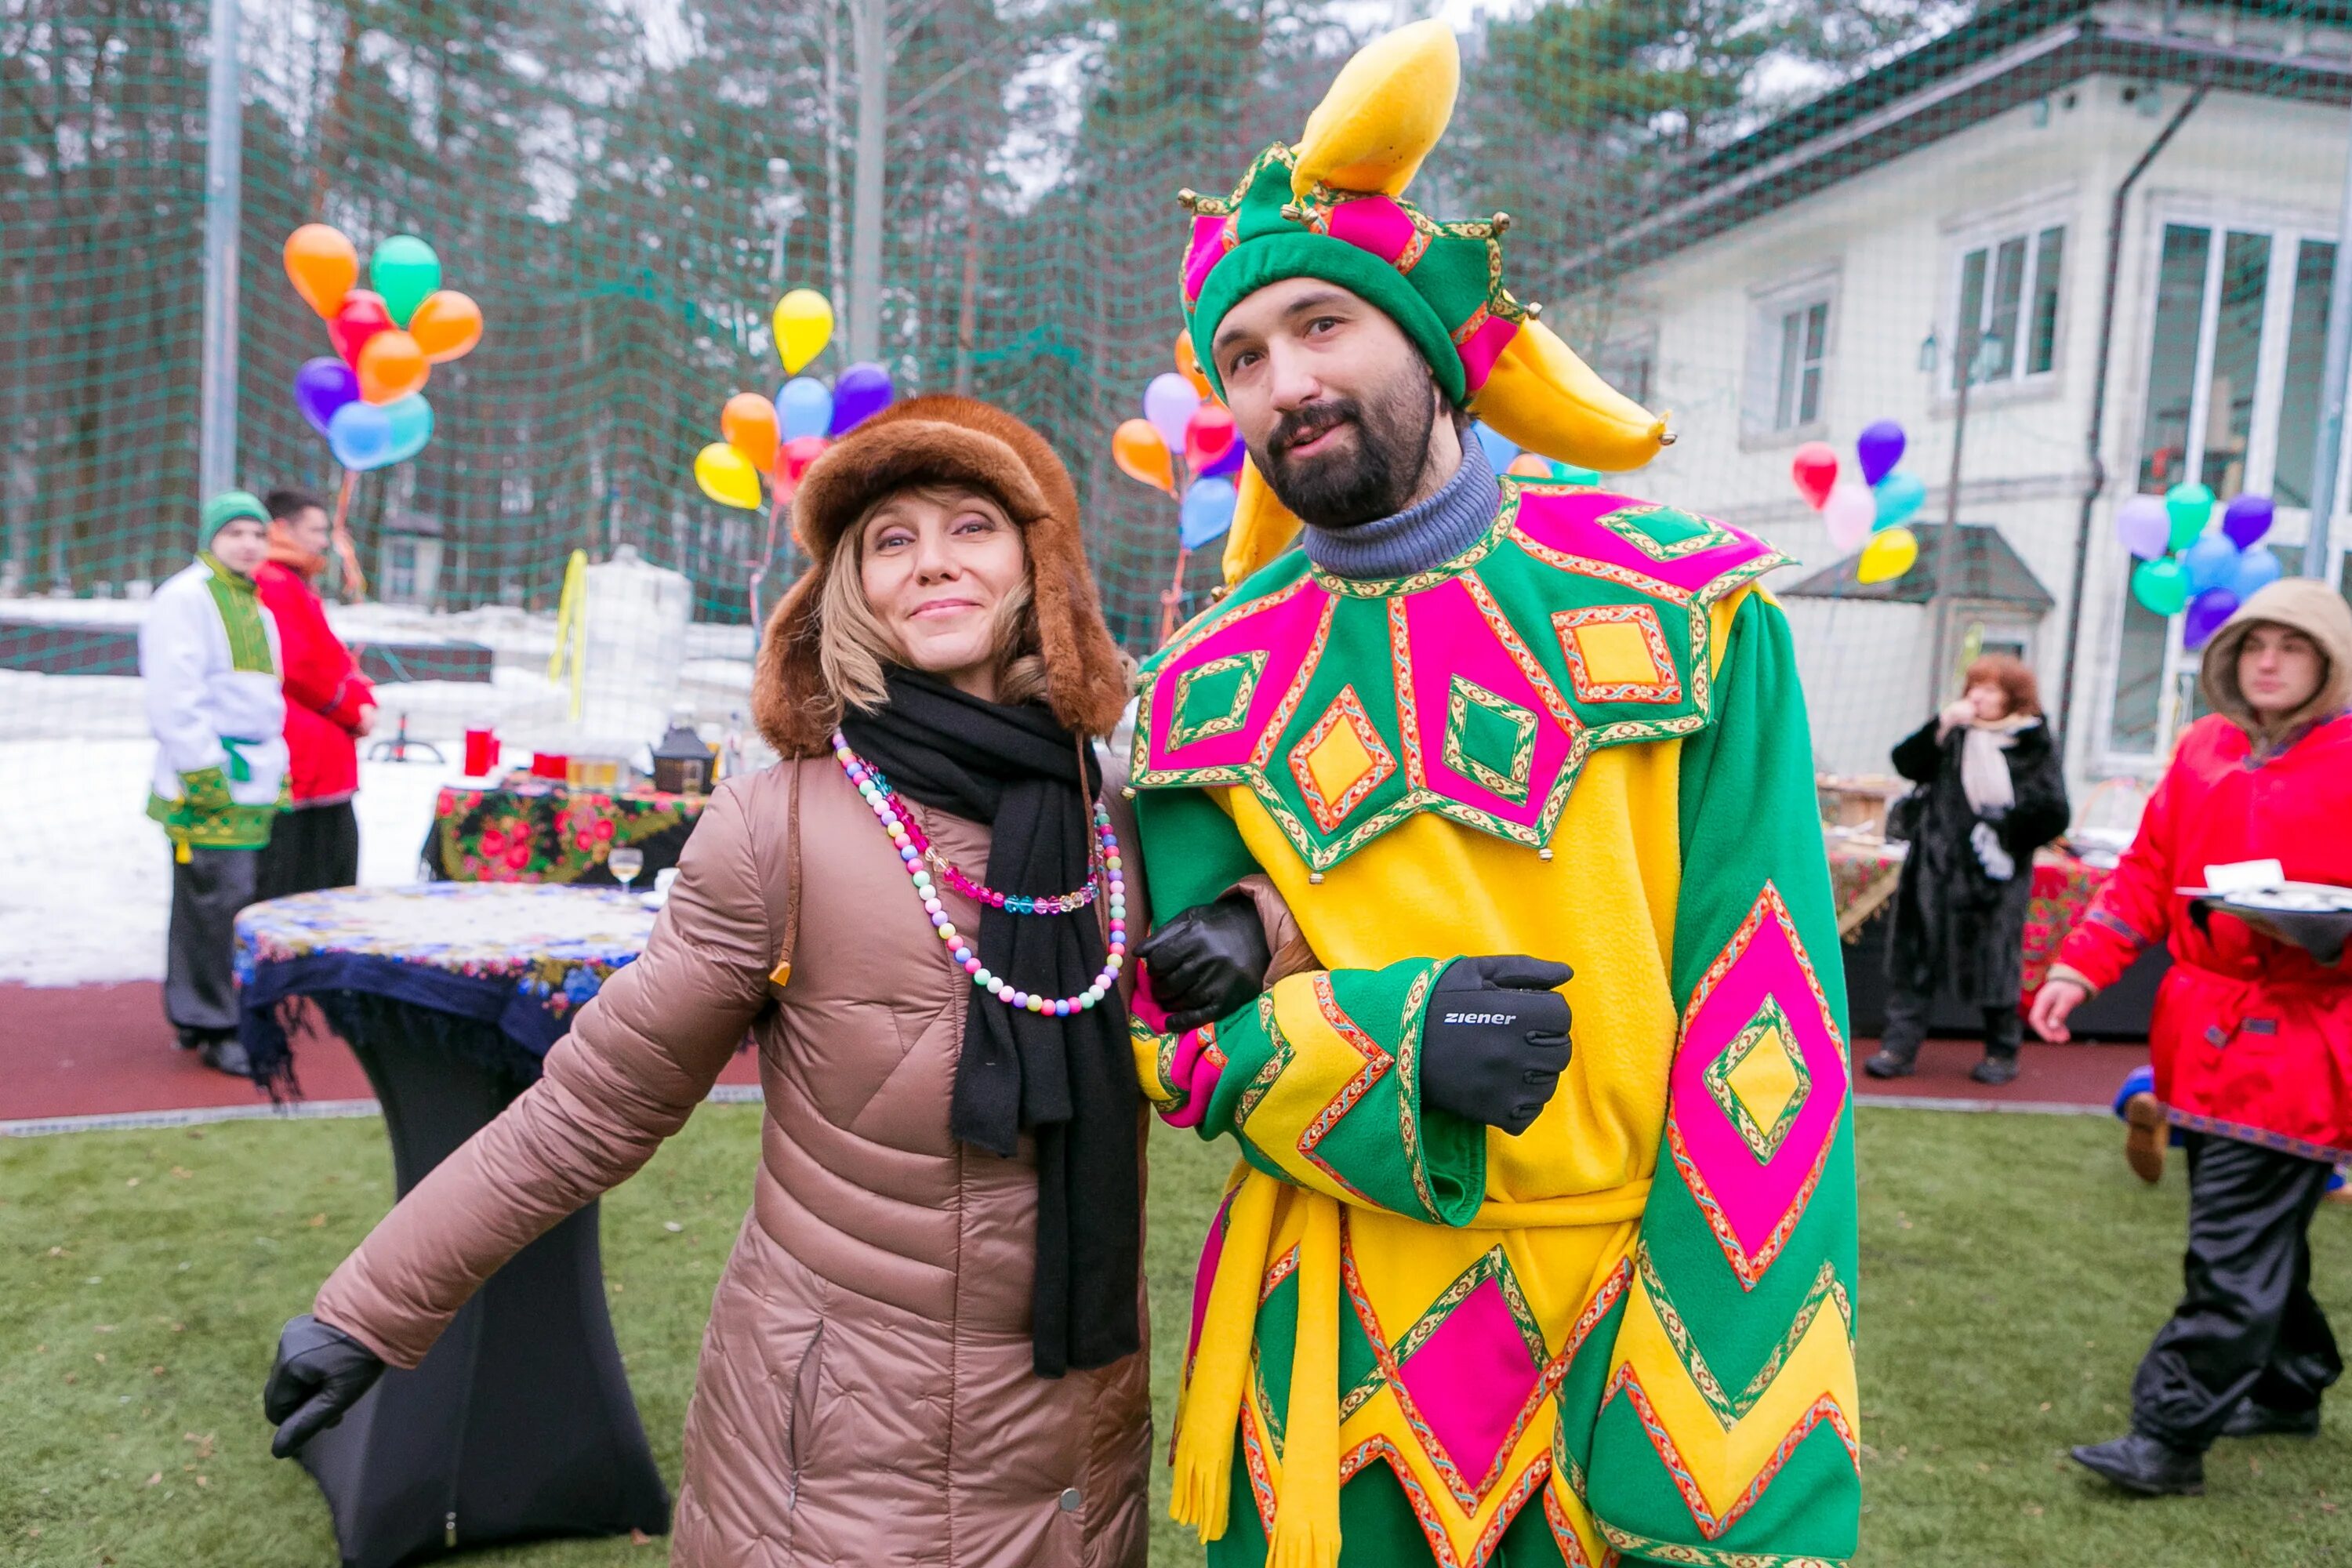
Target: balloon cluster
point(777, 438)
point(1504, 457)
point(1869, 508)
point(2186, 569)
point(1184, 445)
point(367, 398)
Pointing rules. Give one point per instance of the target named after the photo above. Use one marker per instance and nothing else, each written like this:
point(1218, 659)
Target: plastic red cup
point(550, 765)
point(481, 752)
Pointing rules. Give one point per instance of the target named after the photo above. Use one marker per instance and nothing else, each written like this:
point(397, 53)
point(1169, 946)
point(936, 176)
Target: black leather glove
point(1209, 961)
point(1495, 1040)
point(319, 1376)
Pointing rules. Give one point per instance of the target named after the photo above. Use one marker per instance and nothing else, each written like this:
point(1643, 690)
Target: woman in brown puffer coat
point(928, 1346)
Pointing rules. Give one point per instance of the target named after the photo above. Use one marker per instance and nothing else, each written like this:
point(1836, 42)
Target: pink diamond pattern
point(1470, 1378)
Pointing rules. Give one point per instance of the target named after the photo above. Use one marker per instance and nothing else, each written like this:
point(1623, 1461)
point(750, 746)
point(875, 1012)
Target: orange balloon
point(1189, 363)
point(1141, 454)
point(390, 367)
point(447, 326)
point(321, 265)
point(1528, 466)
point(749, 423)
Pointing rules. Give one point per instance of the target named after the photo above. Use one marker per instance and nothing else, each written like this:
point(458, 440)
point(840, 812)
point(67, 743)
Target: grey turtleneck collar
point(1424, 535)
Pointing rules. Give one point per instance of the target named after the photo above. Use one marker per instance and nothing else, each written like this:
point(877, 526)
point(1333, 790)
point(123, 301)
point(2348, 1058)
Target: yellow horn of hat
point(1384, 113)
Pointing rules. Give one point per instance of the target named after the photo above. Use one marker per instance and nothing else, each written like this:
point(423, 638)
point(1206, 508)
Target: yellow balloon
point(1888, 554)
point(804, 323)
point(728, 477)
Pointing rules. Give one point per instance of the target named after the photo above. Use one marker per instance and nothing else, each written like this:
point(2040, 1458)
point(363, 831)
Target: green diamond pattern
point(1490, 738)
point(1214, 698)
point(1768, 1028)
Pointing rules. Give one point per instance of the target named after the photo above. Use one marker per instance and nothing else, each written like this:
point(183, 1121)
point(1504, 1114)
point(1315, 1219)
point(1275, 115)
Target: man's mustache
point(1305, 423)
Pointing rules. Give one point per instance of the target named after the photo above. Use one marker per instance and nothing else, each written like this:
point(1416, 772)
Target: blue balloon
point(1499, 450)
point(411, 426)
point(2210, 562)
point(360, 436)
point(1208, 512)
point(805, 404)
point(2257, 568)
point(1898, 495)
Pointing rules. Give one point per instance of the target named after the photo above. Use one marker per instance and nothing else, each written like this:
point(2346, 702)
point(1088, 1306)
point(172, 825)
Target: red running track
point(93, 1050)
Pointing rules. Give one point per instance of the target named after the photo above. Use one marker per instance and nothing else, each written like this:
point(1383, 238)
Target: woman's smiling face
point(938, 567)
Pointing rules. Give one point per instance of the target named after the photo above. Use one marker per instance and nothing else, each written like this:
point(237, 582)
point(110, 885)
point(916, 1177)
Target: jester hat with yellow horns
point(1333, 207)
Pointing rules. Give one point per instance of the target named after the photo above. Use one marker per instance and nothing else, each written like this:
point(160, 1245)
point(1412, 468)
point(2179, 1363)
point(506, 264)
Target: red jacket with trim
point(2252, 1036)
point(324, 691)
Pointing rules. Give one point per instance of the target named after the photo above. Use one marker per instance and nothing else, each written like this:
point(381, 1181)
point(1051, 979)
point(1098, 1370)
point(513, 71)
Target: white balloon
point(1850, 512)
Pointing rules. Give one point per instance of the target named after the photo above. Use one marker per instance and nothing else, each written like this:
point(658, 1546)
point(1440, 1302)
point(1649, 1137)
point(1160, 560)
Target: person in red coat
point(2252, 1035)
point(329, 706)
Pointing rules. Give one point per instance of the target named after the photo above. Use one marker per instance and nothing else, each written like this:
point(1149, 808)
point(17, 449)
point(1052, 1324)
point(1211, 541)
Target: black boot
point(220, 1052)
point(2146, 1466)
point(2252, 1420)
point(1997, 1068)
point(1892, 1062)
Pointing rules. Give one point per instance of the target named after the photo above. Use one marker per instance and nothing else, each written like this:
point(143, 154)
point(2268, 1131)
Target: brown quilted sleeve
point(1291, 954)
point(642, 1055)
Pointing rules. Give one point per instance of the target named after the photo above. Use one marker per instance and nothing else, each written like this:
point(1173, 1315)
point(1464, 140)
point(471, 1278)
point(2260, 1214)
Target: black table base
point(519, 1425)
point(2119, 1012)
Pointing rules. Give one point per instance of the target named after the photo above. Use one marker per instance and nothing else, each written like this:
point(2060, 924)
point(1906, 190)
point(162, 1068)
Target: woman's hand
point(1957, 714)
point(2052, 1004)
point(1207, 962)
point(319, 1373)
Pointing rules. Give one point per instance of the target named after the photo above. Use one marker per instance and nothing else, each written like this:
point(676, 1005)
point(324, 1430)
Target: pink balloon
point(1850, 512)
point(1169, 403)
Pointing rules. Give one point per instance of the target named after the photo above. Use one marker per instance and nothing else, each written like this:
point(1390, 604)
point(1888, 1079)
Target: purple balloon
point(2206, 613)
point(1228, 461)
point(862, 391)
point(321, 386)
point(2145, 527)
point(2246, 518)
point(1880, 447)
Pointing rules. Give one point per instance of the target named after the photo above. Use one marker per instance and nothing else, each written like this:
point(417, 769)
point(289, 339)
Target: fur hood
point(2307, 605)
point(934, 440)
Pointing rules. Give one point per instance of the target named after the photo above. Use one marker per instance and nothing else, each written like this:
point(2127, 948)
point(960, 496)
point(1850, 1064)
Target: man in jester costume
point(1476, 1294)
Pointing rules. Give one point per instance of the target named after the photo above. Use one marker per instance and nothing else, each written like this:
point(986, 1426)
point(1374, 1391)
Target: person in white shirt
point(208, 655)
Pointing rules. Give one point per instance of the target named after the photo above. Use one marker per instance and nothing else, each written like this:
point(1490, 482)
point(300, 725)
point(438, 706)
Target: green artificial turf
point(2012, 1271)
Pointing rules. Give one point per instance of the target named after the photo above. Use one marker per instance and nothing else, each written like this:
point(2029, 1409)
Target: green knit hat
point(1441, 283)
point(225, 509)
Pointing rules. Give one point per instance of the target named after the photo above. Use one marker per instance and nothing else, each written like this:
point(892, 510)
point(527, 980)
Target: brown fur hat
point(941, 439)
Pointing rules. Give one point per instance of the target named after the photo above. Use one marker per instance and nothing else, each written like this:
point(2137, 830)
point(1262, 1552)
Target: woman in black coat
point(1991, 792)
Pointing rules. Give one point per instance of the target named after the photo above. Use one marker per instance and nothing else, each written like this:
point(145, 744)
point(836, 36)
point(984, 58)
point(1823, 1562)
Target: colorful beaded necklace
point(914, 848)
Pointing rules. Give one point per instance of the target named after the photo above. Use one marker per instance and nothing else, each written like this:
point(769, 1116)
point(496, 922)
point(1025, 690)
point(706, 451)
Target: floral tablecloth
point(549, 833)
point(522, 957)
point(1863, 878)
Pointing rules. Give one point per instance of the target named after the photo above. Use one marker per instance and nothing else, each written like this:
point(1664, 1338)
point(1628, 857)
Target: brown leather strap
point(782, 975)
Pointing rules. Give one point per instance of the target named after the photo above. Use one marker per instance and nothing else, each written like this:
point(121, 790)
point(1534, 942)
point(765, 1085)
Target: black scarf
point(1070, 1082)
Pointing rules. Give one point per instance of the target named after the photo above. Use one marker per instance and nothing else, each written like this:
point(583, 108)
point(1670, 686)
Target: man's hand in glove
point(1495, 1040)
point(320, 1374)
point(1207, 962)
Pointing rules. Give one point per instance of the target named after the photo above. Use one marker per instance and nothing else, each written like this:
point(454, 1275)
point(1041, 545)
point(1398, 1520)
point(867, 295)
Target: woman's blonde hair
point(854, 645)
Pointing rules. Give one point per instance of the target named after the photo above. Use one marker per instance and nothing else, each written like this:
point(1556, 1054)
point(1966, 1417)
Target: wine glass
point(624, 863)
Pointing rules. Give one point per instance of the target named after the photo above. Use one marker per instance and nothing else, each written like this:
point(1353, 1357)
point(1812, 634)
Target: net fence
point(1781, 222)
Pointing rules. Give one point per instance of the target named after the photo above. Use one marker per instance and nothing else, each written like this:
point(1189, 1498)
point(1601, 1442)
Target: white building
point(1814, 276)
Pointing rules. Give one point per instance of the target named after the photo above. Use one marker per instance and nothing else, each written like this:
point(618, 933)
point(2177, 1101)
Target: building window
point(2306, 343)
point(400, 570)
point(1803, 345)
point(2009, 300)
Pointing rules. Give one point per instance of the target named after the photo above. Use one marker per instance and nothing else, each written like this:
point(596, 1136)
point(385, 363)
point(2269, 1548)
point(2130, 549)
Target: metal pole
point(2319, 557)
point(1966, 365)
point(869, 23)
point(223, 155)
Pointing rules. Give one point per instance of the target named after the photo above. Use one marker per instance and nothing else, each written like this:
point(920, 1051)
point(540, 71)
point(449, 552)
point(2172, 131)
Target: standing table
point(518, 1424)
point(535, 830)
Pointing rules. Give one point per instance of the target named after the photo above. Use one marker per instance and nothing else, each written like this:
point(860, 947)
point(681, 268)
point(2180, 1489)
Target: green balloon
point(2188, 506)
point(2161, 585)
point(404, 270)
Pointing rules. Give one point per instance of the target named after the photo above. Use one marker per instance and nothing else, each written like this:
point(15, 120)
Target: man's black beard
point(1343, 488)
